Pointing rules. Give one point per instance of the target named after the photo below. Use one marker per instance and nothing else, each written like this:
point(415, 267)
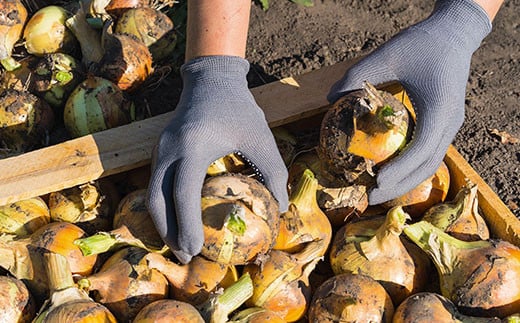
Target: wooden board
point(121, 149)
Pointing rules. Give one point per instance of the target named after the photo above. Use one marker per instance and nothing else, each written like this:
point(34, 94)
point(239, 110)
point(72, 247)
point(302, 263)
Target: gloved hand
point(431, 60)
point(216, 115)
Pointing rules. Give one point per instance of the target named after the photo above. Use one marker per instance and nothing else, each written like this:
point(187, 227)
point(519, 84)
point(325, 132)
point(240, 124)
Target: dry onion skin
point(13, 16)
point(362, 129)
point(22, 218)
point(256, 315)
point(16, 302)
point(46, 32)
point(482, 278)
point(168, 310)
point(240, 219)
point(116, 8)
point(350, 298)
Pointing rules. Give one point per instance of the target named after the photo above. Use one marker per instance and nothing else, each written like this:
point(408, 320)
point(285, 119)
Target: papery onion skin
point(96, 104)
point(168, 310)
point(256, 315)
point(45, 32)
point(16, 302)
point(80, 311)
point(116, 8)
point(13, 16)
point(24, 217)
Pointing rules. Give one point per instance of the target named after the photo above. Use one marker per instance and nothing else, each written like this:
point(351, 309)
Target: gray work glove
point(431, 60)
point(216, 115)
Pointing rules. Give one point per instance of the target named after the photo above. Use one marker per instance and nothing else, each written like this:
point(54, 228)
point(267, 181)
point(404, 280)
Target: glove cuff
point(463, 22)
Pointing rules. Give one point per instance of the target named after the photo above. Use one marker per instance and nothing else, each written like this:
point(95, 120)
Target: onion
point(194, 282)
point(240, 219)
point(46, 32)
point(428, 193)
point(482, 278)
point(117, 7)
point(153, 27)
point(126, 60)
point(281, 281)
point(16, 302)
point(256, 315)
point(304, 221)
point(66, 302)
point(96, 104)
point(362, 129)
point(168, 310)
point(20, 78)
point(125, 284)
point(25, 119)
point(132, 225)
point(460, 217)
point(23, 257)
point(24, 217)
point(380, 255)
point(55, 77)
point(231, 163)
point(13, 16)
point(350, 298)
point(427, 307)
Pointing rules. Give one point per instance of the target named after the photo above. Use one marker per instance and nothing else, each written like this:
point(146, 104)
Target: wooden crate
point(127, 147)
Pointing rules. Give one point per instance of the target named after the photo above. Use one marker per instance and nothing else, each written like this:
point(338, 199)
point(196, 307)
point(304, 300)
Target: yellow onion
point(13, 16)
point(428, 193)
point(362, 129)
point(231, 163)
point(153, 27)
point(126, 60)
point(24, 217)
point(240, 219)
point(22, 257)
point(427, 307)
point(195, 281)
point(281, 281)
point(96, 104)
point(350, 298)
point(132, 226)
point(25, 120)
point(460, 217)
point(20, 78)
point(16, 302)
point(125, 283)
point(55, 76)
point(116, 8)
point(256, 315)
point(380, 255)
point(304, 221)
point(168, 310)
point(482, 278)
point(66, 302)
point(46, 32)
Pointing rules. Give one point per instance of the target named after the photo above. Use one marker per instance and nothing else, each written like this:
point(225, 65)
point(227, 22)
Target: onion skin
point(13, 16)
point(116, 8)
point(16, 302)
point(23, 218)
point(240, 219)
point(482, 278)
point(168, 310)
point(45, 32)
point(427, 307)
point(256, 315)
point(96, 104)
point(350, 298)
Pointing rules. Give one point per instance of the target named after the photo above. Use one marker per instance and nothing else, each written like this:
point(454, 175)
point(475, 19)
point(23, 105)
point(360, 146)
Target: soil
point(290, 39)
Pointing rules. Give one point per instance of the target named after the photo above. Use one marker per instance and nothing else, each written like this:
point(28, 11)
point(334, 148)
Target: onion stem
point(10, 64)
point(88, 38)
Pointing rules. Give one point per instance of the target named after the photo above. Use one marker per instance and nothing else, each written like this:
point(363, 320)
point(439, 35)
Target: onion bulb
point(195, 281)
point(460, 217)
point(168, 310)
point(13, 16)
point(240, 219)
point(66, 302)
point(427, 307)
point(25, 119)
point(428, 193)
point(482, 278)
point(231, 163)
point(304, 221)
point(116, 8)
point(46, 32)
point(24, 217)
point(96, 104)
point(153, 27)
point(380, 255)
point(16, 302)
point(362, 129)
point(350, 298)
point(125, 283)
point(256, 315)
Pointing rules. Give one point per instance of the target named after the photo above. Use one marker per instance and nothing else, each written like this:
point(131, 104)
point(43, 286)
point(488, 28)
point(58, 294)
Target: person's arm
point(217, 28)
point(490, 7)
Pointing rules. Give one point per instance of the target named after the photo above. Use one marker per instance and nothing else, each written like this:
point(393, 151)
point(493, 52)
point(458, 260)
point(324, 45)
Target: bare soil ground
point(289, 39)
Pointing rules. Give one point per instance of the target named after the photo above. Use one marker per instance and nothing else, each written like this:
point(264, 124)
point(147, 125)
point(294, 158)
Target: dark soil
point(289, 39)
